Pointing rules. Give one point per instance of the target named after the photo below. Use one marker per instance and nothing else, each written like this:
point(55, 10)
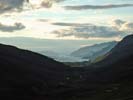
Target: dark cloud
point(89, 32)
point(18, 5)
point(84, 7)
point(119, 28)
point(48, 3)
point(69, 24)
point(9, 5)
point(15, 27)
point(44, 3)
point(123, 25)
point(119, 22)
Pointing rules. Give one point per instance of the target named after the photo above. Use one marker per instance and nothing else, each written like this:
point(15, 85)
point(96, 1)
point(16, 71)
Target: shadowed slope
point(25, 73)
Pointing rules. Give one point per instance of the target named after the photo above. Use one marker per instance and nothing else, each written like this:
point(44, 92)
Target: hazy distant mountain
point(61, 57)
point(55, 45)
point(51, 54)
point(56, 49)
point(91, 52)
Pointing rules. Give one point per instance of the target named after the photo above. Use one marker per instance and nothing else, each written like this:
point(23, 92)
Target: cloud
point(43, 20)
point(127, 26)
point(36, 4)
point(123, 25)
point(118, 29)
point(69, 24)
point(90, 31)
point(85, 7)
point(8, 28)
point(118, 22)
point(9, 5)
point(19, 5)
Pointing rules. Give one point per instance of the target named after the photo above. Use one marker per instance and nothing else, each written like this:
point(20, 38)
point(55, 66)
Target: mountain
point(122, 50)
point(58, 49)
point(25, 73)
point(62, 46)
point(115, 71)
point(91, 52)
point(111, 78)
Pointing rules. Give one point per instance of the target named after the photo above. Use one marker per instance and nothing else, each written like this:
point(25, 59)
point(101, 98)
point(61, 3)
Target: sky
point(66, 19)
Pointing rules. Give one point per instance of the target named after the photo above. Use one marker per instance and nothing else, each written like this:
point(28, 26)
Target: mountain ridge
point(89, 52)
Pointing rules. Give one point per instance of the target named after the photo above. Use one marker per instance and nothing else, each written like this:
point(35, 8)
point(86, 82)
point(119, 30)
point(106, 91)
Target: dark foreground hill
point(25, 73)
point(111, 78)
point(28, 74)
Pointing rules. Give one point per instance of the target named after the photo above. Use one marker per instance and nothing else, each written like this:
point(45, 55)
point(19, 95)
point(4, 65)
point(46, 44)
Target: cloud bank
point(69, 24)
point(118, 28)
point(85, 7)
point(18, 5)
point(15, 27)
point(9, 5)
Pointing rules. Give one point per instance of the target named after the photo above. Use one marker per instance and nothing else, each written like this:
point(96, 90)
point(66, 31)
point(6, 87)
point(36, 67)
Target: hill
point(91, 52)
point(24, 72)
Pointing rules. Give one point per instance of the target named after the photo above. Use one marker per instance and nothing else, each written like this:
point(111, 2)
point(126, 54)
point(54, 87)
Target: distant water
point(66, 58)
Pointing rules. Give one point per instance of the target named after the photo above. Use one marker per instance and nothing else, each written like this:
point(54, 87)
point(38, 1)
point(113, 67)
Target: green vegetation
point(99, 58)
